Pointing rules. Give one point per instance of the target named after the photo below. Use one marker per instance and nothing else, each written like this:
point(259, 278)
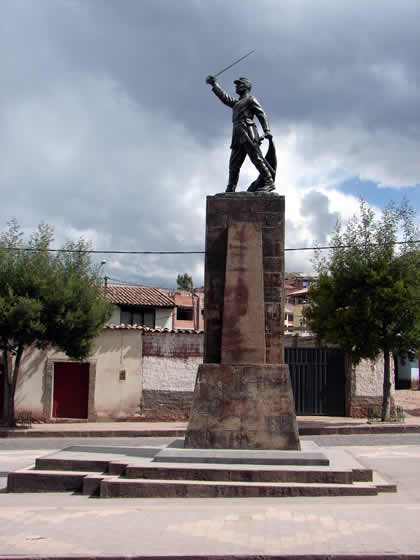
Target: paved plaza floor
point(58, 525)
point(66, 525)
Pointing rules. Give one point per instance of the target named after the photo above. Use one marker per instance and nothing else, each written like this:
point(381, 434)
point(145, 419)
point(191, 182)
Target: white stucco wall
point(171, 360)
point(115, 317)
point(30, 388)
point(115, 350)
point(367, 377)
point(169, 374)
point(164, 318)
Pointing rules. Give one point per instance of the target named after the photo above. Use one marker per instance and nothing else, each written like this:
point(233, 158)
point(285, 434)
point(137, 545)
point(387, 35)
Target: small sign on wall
point(122, 375)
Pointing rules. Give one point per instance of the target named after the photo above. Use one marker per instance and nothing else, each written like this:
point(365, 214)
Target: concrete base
point(243, 406)
point(309, 456)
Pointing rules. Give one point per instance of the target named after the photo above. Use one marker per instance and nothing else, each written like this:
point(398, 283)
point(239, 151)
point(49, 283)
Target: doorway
point(71, 390)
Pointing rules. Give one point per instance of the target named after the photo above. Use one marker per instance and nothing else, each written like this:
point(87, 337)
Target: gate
point(318, 380)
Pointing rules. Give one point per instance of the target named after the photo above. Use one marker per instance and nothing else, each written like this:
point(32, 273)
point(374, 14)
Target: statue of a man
point(245, 137)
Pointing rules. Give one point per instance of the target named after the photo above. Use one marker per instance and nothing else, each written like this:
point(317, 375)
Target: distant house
point(141, 305)
point(295, 302)
point(189, 313)
point(296, 281)
point(288, 319)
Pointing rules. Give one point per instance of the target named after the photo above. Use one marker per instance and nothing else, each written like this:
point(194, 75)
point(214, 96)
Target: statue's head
point(242, 84)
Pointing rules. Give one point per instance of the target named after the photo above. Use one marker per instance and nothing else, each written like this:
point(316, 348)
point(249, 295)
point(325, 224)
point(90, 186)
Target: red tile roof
point(154, 330)
point(138, 295)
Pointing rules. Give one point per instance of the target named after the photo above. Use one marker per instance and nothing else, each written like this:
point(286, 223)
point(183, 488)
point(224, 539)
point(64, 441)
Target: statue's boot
point(266, 187)
point(267, 184)
point(231, 188)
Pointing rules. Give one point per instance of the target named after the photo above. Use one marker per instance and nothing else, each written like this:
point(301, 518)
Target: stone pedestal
point(243, 397)
point(246, 406)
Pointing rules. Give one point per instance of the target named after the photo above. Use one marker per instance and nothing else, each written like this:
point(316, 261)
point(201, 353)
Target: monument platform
point(118, 472)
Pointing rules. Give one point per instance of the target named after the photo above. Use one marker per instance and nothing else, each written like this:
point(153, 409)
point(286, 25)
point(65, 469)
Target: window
point(138, 316)
point(184, 314)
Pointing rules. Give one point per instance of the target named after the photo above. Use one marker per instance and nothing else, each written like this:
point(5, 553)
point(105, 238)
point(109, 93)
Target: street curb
point(16, 433)
point(360, 430)
point(330, 556)
point(303, 431)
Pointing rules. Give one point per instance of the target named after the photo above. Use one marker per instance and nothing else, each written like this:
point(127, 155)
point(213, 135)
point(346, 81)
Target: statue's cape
point(271, 161)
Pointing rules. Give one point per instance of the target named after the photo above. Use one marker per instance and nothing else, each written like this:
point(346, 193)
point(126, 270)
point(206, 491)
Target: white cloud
point(121, 142)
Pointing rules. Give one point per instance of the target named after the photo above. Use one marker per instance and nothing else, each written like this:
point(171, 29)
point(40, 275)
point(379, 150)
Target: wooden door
point(71, 390)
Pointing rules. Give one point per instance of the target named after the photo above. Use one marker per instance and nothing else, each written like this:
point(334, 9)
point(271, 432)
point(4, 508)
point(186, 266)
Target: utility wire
point(97, 252)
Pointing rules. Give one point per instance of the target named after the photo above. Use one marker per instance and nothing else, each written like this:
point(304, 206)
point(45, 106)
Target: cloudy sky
point(108, 130)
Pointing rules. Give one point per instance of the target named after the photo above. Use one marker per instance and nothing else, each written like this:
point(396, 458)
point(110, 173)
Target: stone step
point(109, 486)
point(383, 485)
point(58, 464)
point(80, 465)
point(240, 473)
point(151, 488)
point(236, 473)
point(309, 456)
point(29, 480)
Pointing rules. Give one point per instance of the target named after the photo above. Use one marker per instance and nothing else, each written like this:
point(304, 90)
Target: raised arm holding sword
point(245, 137)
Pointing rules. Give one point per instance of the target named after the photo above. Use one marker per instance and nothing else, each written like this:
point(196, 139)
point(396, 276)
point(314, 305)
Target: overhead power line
point(97, 252)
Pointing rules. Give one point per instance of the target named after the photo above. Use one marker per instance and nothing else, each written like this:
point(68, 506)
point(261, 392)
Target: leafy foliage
point(46, 299)
point(366, 299)
point(184, 282)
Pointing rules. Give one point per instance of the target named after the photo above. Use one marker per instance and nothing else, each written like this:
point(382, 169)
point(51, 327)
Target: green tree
point(366, 299)
point(185, 282)
point(46, 299)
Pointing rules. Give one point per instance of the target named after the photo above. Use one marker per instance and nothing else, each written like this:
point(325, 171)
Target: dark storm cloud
point(315, 61)
point(108, 129)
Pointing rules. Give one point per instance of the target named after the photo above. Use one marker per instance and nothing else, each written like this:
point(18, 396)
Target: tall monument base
point(243, 396)
point(243, 406)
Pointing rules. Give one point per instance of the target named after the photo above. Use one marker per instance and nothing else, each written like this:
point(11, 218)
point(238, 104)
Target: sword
point(233, 64)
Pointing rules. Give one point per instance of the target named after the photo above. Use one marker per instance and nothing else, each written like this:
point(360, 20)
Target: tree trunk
point(11, 422)
point(12, 377)
point(6, 367)
point(386, 402)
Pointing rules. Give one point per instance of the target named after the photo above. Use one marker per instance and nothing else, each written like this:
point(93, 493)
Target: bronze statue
point(245, 137)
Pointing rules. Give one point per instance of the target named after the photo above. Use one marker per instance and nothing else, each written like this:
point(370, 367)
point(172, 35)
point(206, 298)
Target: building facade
point(139, 373)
